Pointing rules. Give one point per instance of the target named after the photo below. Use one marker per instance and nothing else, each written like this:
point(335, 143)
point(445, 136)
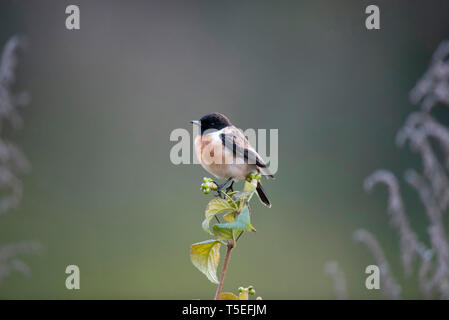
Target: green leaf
point(205, 226)
point(205, 256)
point(215, 206)
point(242, 197)
point(229, 233)
point(242, 222)
point(230, 216)
point(228, 296)
point(250, 186)
point(222, 233)
point(244, 295)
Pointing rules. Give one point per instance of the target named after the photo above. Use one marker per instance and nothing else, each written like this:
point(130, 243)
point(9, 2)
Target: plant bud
point(212, 186)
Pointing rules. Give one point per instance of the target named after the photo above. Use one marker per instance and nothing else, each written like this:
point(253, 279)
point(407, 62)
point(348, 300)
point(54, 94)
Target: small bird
point(224, 151)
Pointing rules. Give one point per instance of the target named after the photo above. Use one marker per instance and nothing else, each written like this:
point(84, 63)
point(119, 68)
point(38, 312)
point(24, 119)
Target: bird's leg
point(221, 186)
point(230, 187)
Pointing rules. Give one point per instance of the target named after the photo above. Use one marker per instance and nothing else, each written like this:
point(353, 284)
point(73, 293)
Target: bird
point(223, 151)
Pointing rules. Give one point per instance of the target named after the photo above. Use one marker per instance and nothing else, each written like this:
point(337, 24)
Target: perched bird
point(224, 151)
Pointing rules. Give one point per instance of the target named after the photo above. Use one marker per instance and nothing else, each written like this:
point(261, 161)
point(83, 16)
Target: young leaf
point(230, 216)
point(242, 197)
point(205, 256)
point(243, 295)
point(218, 205)
point(228, 296)
point(242, 222)
point(234, 233)
point(222, 233)
point(250, 186)
point(215, 206)
point(205, 226)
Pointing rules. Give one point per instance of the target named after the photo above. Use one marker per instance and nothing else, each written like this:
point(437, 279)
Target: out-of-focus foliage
point(429, 139)
point(12, 160)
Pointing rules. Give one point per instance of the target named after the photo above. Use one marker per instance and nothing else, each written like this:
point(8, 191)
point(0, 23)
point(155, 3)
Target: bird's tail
point(262, 196)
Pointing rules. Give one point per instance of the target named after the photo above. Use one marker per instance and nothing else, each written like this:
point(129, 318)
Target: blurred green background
point(103, 194)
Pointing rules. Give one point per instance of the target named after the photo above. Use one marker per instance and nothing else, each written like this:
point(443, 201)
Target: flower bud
point(212, 186)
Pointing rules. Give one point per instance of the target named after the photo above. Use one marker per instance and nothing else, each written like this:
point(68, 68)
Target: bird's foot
point(229, 189)
point(219, 193)
point(221, 186)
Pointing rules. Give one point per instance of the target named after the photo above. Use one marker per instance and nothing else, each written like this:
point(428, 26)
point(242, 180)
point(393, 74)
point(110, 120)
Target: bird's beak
point(196, 122)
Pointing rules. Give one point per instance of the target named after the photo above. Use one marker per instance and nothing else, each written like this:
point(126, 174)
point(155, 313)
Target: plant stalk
point(231, 245)
point(225, 267)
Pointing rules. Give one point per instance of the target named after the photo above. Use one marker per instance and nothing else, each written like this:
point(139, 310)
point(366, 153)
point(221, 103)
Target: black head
point(213, 121)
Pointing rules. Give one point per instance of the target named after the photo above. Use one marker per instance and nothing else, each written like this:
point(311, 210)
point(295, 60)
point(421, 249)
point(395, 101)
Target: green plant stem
point(225, 267)
point(230, 246)
point(239, 236)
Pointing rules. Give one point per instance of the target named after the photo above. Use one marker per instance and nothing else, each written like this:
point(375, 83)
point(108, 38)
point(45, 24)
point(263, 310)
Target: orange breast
point(218, 160)
point(209, 150)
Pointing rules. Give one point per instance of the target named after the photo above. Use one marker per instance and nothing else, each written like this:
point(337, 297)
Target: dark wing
point(235, 140)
